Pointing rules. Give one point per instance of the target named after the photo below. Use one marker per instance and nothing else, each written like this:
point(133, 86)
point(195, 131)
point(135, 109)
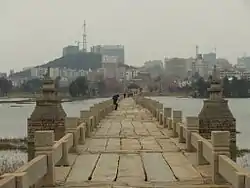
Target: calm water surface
point(13, 117)
point(239, 108)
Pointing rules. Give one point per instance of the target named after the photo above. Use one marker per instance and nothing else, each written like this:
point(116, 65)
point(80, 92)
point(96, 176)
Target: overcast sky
point(33, 32)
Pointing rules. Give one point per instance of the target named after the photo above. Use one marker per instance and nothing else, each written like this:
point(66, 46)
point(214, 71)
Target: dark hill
point(84, 61)
point(81, 60)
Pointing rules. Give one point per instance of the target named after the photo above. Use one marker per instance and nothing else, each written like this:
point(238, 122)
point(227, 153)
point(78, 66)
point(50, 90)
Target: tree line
point(77, 88)
point(232, 88)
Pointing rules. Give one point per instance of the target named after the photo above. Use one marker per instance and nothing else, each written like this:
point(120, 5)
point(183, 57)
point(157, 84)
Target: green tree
point(101, 86)
point(5, 86)
point(234, 87)
point(57, 82)
point(79, 87)
point(133, 86)
point(201, 87)
point(33, 85)
point(226, 87)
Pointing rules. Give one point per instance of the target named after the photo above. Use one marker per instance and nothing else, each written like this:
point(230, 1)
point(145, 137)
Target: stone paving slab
point(130, 149)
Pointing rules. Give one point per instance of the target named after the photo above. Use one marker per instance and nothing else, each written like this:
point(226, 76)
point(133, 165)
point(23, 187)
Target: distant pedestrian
point(124, 95)
point(115, 99)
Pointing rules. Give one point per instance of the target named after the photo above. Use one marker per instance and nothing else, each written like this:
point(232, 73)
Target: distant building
point(234, 73)
point(200, 66)
point(110, 50)
point(131, 74)
point(210, 59)
point(71, 74)
point(244, 62)
point(176, 67)
point(153, 63)
point(3, 75)
point(70, 50)
point(223, 64)
point(109, 69)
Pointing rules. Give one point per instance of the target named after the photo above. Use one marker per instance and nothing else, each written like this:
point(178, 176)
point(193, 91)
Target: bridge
point(139, 145)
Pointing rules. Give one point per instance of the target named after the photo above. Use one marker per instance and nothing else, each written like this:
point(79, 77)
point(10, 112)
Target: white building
point(210, 59)
point(235, 73)
point(39, 72)
point(131, 74)
point(153, 63)
point(110, 50)
point(200, 66)
point(70, 50)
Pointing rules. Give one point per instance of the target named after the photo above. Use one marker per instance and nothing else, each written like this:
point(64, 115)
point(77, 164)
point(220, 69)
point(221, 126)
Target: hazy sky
point(33, 32)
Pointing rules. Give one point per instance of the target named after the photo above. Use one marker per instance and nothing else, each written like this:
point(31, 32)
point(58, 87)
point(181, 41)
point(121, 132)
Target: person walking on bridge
point(115, 99)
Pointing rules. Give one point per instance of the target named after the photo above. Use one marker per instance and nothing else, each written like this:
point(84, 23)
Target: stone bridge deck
point(130, 149)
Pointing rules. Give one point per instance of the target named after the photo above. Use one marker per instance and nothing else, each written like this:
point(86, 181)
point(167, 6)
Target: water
point(192, 107)
point(14, 119)
point(239, 108)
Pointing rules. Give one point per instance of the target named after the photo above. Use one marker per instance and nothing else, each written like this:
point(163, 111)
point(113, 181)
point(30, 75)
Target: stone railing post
point(192, 125)
point(167, 114)
point(82, 134)
point(159, 110)
point(44, 141)
point(84, 117)
point(200, 158)
point(64, 161)
point(169, 123)
point(71, 124)
point(181, 137)
point(221, 146)
point(94, 112)
point(177, 118)
point(161, 118)
point(154, 108)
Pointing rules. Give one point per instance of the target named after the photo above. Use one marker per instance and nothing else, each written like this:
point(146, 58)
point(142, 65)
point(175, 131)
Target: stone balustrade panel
point(207, 151)
point(57, 151)
point(8, 182)
point(194, 139)
point(231, 172)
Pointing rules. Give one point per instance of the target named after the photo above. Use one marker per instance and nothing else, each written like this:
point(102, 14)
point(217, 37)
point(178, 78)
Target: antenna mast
point(84, 38)
point(196, 50)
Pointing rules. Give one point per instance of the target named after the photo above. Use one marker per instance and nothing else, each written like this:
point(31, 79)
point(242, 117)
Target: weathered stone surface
point(83, 168)
point(156, 168)
point(181, 167)
point(128, 152)
point(106, 168)
point(130, 168)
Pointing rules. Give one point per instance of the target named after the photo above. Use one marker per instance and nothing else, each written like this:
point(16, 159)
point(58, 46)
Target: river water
point(13, 118)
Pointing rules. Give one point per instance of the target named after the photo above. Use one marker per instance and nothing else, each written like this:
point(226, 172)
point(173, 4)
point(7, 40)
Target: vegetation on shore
point(232, 88)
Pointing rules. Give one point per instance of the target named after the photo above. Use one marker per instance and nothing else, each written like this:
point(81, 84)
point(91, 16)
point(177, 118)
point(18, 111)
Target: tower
point(47, 115)
point(197, 51)
point(84, 38)
point(216, 115)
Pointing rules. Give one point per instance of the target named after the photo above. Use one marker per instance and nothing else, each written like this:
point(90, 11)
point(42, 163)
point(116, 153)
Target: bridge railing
point(214, 152)
point(50, 153)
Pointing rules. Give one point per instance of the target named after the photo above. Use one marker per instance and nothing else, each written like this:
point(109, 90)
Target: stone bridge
point(139, 145)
